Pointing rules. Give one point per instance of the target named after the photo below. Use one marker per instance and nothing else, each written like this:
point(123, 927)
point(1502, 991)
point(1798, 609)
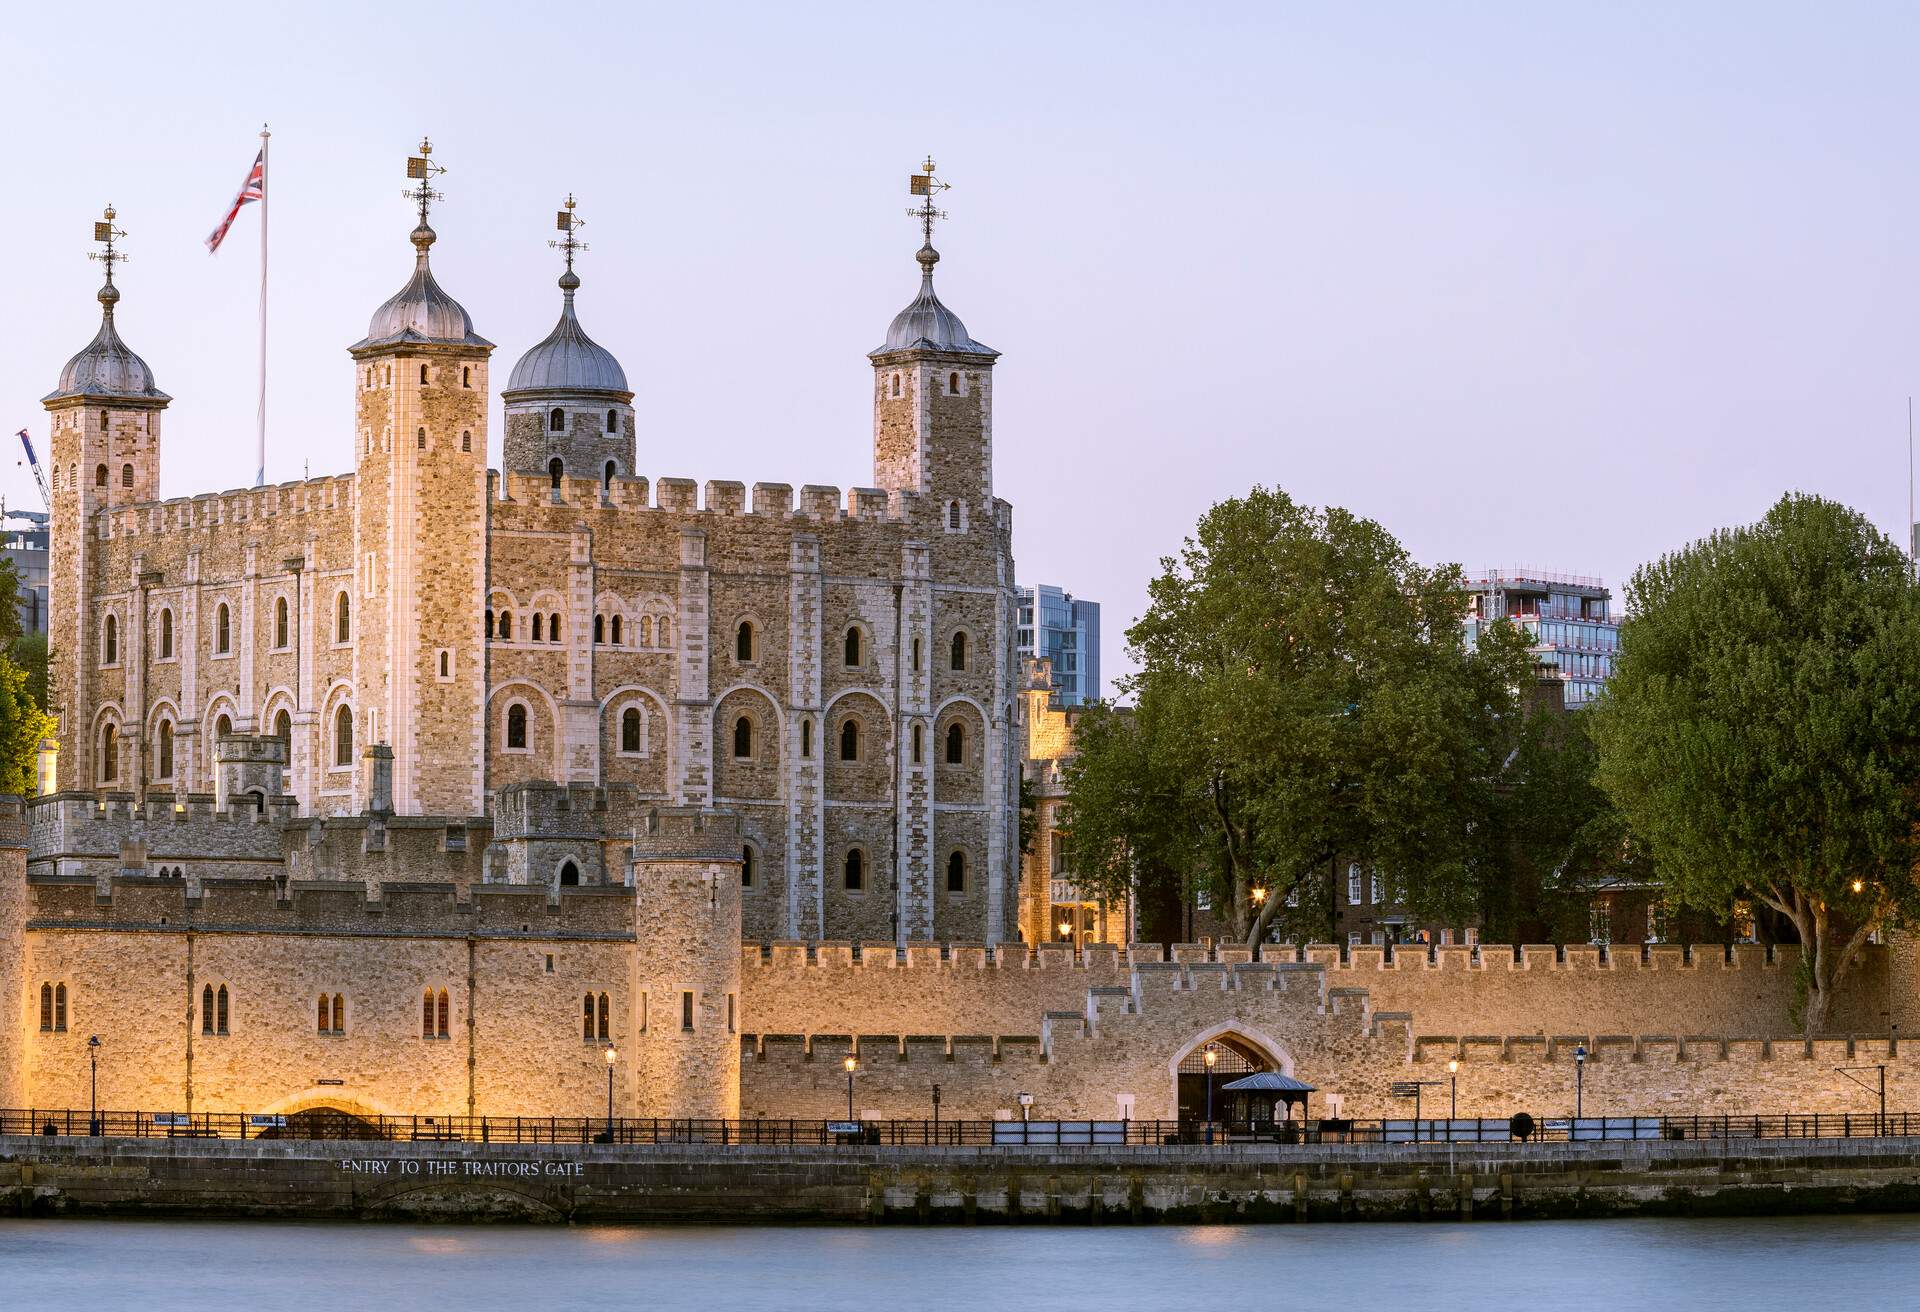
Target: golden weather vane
point(925, 184)
point(423, 168)
point(569, 223)
point(105, 232)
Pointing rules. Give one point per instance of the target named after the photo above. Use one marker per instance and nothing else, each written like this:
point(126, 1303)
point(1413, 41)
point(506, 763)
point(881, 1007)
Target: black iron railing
point(913, 1134)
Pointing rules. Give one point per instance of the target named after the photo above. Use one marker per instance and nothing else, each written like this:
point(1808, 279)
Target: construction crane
point(33, 463)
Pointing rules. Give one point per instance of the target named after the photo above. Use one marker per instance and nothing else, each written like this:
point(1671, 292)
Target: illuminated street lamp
point(1453, 1088)
point(1579, 1077)
point(852, 1064)
point(93, 1085)
point(612, 1057)
point(1212, 1056)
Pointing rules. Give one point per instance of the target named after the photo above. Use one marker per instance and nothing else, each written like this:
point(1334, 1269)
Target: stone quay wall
point(705, 1184)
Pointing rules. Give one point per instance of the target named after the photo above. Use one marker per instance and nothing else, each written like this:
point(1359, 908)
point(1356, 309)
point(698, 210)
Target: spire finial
point(105, 233)
point(926, 185)
point(570, 224)
point(422, 168)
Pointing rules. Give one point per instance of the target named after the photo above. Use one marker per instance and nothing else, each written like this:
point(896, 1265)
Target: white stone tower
point(420, 524)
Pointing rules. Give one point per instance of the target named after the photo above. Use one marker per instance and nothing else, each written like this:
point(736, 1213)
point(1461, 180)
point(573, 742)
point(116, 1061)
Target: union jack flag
point(254, 188)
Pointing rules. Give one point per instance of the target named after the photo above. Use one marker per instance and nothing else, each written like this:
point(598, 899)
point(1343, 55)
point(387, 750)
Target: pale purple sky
point(1531, 286)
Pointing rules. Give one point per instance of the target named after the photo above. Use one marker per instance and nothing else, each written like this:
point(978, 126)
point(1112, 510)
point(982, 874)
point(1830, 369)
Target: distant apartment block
point(26, 547)
point(1057, 627)
point(1569, 617)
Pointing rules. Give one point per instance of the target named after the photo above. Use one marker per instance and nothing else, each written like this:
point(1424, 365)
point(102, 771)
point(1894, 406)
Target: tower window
point(957, 656)
point(163, 751)
point(343, 737)
point(896, 384)
point(806, 738)
point(613, 424)
point(630, 730)
point(126, 476)
point(166, 633)
point(555, 470)
point(111, 646)
point(852, 648)
point(506, 624)
point(569, 874)
point(743, 739)
point(280, 622)
point(953, 384)
point(433, 1013)
point(420, 440)
point(100, 476)
point(956, 744)
point(446, 664)
point(606, 477)
point(743, 641)
point(222, 629)
point(957, 873)
point(850, 740)
point(342, 618)
point(854, 870)
point(556, 420)
point(615, 627)
point(539, 621)
point(517, 727)
point(599, 628)
point(917, 749)
point(954, 522)
point(423, 375)
point(466, 375)
point(283, 727)
point(331, 1017)
point(466, 440)
point(109, 754)
point(686, 1009)
point(746, 865)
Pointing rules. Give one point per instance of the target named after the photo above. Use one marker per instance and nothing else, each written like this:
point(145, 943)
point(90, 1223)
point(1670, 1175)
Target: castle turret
point(414, 612)
point(933, 396)
point(686, 880)
point(568, 408)
point(105, 452)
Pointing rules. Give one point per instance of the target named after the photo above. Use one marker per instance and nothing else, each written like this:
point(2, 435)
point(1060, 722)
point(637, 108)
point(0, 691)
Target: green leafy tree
point(1305, 692)
point(1762, 731)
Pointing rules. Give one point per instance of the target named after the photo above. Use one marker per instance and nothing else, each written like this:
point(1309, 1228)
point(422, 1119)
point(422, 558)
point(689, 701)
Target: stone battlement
point(207, 510)
point(724, 497)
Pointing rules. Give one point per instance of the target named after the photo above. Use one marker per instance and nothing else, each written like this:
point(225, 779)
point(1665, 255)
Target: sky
point(1546, 286)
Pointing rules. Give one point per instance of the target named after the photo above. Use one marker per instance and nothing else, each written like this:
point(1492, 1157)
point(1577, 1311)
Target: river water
point(1829, 1263)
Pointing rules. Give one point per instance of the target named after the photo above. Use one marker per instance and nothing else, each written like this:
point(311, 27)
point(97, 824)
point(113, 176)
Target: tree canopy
point(1305, 693)
point(1762, 731)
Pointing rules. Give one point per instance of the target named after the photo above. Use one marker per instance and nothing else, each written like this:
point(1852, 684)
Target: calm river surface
point(1829, 1263)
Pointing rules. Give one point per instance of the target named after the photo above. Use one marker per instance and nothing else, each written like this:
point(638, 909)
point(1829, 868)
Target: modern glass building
point(1065, 630)
point(1568, 616)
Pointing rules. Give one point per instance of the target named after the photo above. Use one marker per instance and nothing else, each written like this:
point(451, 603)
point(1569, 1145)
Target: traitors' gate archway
point(1236, 1054)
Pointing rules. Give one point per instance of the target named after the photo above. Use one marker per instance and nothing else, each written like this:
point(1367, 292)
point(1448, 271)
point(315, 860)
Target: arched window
point(100, 474)
point(896, 384)
point(569, 873)
point(806, 738)
point(613, 426)
point(956, 744)
point(342, 617)
point(109, 754)
point(331, 1017)
point(746, 865)
point(423, 375)
point(222, 727)
point(855, 870)
point(206, 1010)
point(220, 1010)
point(646, 630)
point(586, 1015)
point(957, 873)
point(556, 423)
point(599, 629)
point(222, 629)
point(917, 751)
point(606, 475)
point(343, 736)
point(426, 1014)
point(466, 439)
point(60, 1008)
point(163, 751)
point(742, 739)
point(850, 740)
point(446, 665)
point(126, 476)
point(280, 622)
point(916, 655)
point(466, 375)
point(110, 649)
point(517, 727)
point(166, 633)
point(320, 1018)
point(852, 647)
point(555, 470)
point(506, 624)
point(46, 1008)
point(615, 628)
point(630, 730)
point(953, 383)
point(606, 1014)
point(539, 622)
point(957, 657)
point(283, 726)
point(420, 440)
point(663, 632)
point(434, 1014)
point(553, 628)
point(743, 641)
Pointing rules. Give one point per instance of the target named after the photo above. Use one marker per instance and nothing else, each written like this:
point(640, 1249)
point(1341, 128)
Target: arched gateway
point(1238, 1051)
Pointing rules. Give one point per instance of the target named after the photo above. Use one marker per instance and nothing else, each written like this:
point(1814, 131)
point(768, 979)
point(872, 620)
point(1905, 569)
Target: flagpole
point(260, 468)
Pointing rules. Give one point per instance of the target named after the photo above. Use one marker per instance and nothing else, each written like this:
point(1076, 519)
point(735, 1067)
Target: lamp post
point(612, 1057)
point(852, 1064)
point(1453, 1088)
point(93, 1085)
point(1213, 1055)
point(936, 1112)
point(1579, 1078)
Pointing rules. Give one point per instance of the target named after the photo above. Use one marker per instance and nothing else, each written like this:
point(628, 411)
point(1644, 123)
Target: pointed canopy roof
point(927, 324)
point(420, 313)
point(107, 369)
